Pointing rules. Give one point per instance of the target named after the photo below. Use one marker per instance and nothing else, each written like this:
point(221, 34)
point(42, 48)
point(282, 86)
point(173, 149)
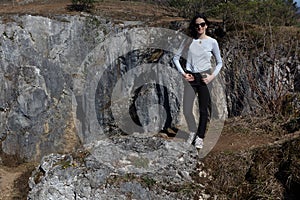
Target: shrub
point(82, 5)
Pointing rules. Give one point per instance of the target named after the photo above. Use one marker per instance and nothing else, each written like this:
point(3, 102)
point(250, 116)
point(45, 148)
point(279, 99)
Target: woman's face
point(200, 26)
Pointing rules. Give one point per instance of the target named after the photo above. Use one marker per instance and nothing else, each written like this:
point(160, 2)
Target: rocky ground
point(239, 134)
point(238, 141)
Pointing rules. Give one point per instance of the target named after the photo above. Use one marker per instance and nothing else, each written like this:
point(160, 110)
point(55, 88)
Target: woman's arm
point(188, 77)
point(217, 54)
point(219, 63)
point(176, 59)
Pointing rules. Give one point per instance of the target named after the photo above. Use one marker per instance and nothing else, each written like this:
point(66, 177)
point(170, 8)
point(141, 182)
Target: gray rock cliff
point(71, 80)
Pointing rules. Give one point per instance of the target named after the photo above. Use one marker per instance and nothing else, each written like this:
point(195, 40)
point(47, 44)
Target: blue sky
point(298, 2)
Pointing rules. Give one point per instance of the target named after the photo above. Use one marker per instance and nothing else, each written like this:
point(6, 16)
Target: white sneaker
point(191, 138)
point(199, 143)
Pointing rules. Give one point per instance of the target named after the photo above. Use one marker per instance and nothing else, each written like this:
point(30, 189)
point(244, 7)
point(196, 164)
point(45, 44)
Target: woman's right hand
point(188, 77)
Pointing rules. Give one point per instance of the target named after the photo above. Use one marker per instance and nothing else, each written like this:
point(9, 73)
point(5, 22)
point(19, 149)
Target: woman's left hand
point(208, 78)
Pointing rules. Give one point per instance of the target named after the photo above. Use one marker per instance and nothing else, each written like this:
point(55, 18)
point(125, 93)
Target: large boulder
point(137, 166)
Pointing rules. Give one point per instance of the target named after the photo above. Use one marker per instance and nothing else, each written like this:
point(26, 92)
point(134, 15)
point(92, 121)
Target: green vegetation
point(139, 162)
point(82, 5)
point(274, 12)
point(149, 182)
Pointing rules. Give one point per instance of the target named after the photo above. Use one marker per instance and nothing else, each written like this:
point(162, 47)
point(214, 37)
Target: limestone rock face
point(38, 57)
point(71, 80)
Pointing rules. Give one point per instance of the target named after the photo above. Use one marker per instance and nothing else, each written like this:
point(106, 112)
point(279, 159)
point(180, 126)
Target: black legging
point(202, 90)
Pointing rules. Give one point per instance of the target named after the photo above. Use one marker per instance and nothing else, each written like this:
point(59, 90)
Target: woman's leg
point(188, 102)
point(203, 100)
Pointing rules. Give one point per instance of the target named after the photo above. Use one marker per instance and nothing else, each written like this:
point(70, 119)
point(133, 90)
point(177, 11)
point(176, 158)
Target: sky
point(298, 2)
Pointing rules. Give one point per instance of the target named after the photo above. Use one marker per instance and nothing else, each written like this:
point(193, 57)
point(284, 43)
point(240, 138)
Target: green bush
point(82, 5)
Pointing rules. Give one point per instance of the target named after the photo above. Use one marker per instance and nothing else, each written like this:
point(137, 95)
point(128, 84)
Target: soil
point(235, 136)
point(7, 182)
point(118, 10)
point(14, 181)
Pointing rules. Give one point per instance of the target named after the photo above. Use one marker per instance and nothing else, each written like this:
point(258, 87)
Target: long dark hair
point(192, 30)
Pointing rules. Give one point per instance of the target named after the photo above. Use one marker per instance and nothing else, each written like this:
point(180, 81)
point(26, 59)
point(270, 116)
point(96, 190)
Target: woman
point(199, 76)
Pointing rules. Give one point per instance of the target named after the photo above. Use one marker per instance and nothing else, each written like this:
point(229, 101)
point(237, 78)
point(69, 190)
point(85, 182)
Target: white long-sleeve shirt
point(199, 56)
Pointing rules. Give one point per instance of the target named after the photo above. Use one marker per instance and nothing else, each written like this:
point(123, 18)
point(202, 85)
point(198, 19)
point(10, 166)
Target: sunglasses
point(202, 24)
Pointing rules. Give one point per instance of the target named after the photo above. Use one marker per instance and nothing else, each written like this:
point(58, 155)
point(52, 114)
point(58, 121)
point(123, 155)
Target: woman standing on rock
point(199, 76)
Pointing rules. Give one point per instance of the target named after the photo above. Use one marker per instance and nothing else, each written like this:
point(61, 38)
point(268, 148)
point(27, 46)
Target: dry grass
point(267, 172)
